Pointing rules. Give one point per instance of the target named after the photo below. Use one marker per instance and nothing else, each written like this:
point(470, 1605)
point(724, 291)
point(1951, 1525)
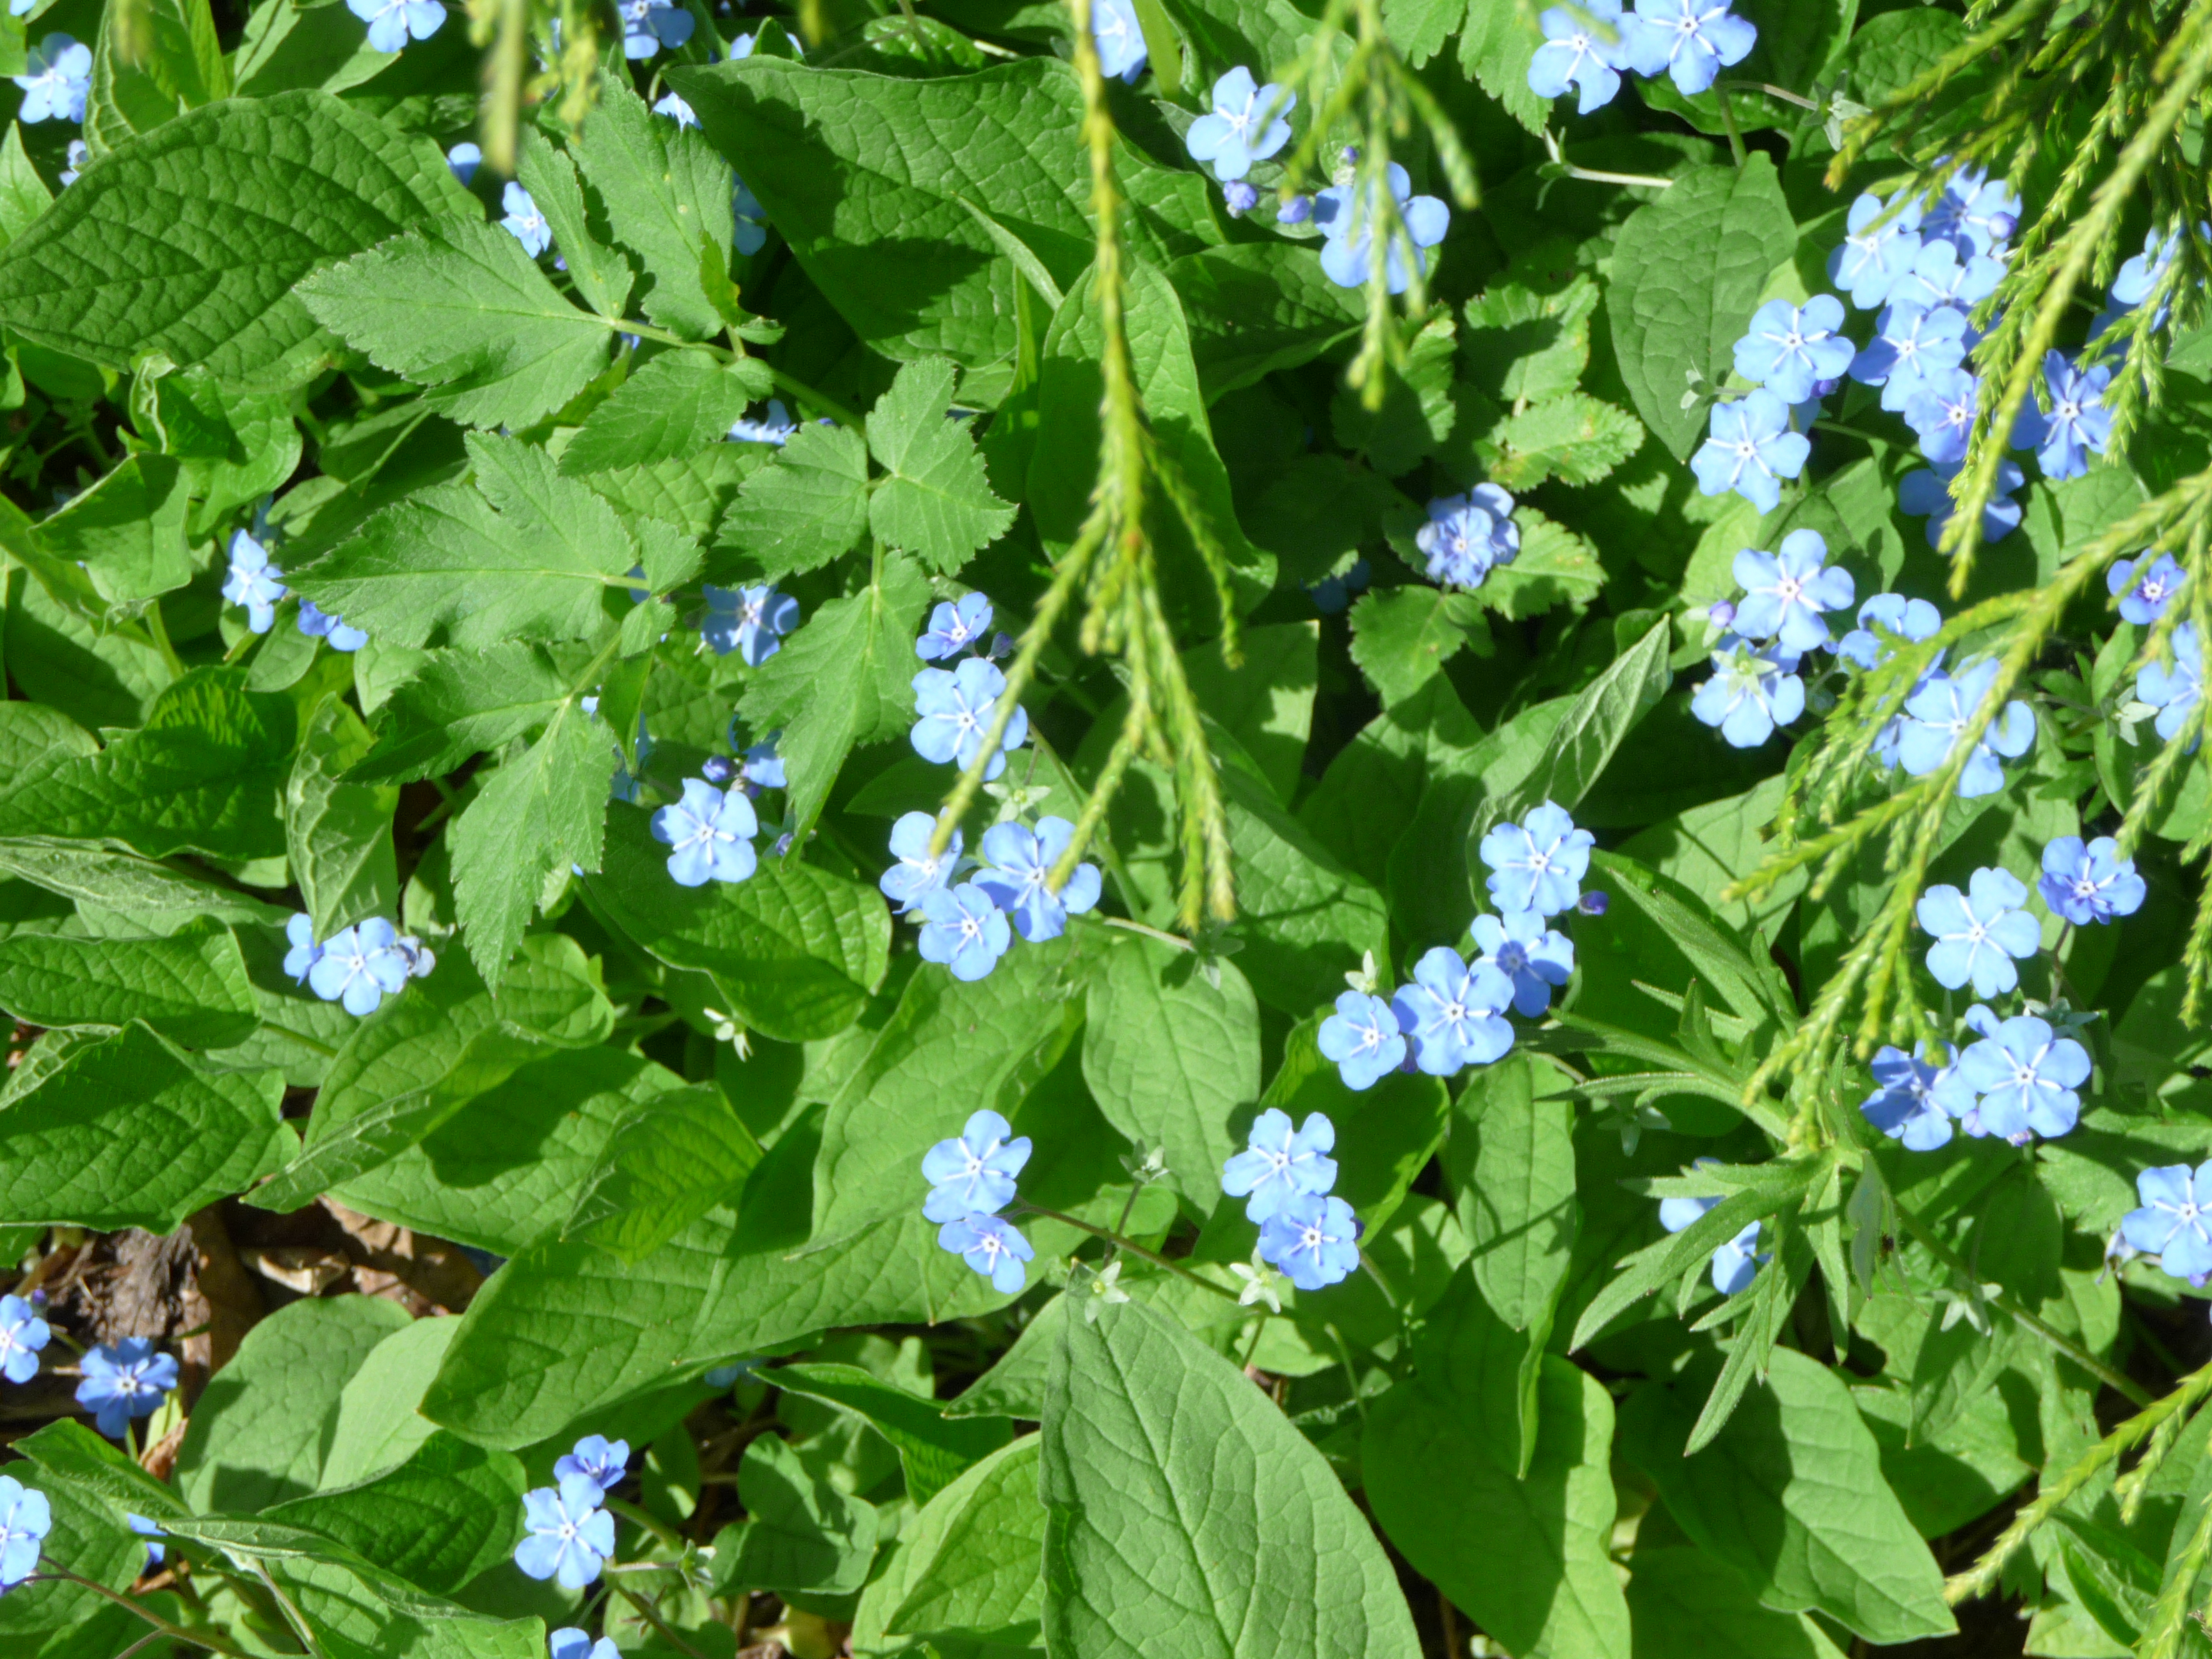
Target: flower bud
point(1241, 197)
point(1592, 903)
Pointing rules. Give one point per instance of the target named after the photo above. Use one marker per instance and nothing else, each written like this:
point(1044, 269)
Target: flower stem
point(645, 1611)
point(1126, 926)
point(1130, 1246)
point(162, 1626)
point(1727, 120)
point(632, 1513)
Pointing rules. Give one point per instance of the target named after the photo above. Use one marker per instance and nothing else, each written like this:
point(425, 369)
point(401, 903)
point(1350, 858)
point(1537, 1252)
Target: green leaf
point(1496, 48)
point(1790, 1494)
point(460, 703)
point(1172, 1059)
point(1573, 438)
point(359, 1611)
point(691, 493)
point(375, 1426)
point(679, 401)
point(1520, 344)
point(865, 177)
point(1554, 567)
point(1686, 1605)
point(1401, 1120)
point(1417, 411)
point(442, 567)
point(1525, 1557)
point(1256, 307)
point(937, 501)
point(1518, 1208)
point(257, 1435)
point(665, 192)
point(804, 507)
point(129, 1132)
point(338, 833)
point(1266, 703)
point(1687, 273)
point(801, 1536)
point(23, 193)
point(154, 893)
point(1305, 919)
point(602, 276)
point(797, 950)
point(447, 1514)
point(92, 1538)
point(976, 1553)
point(68, 1453)
point(191, 988)
point(461, 309)
point(1403, 636)
point(209, 278)
point(128, 530)
point(843, 681)
point(933, 1450)
point(1185, 1511)
point(200, 775)
point(664, 1167)
point(286, 46)
point(173, 62)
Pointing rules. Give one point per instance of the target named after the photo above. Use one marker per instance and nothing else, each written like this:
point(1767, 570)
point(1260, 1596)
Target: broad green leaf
point(679, 401)
point(202, 775)
point(1518, 1204)
point(1305, 919)
point(667, 196)
point(1526, 1558)
point(247, 446)
point(933, 1450)
point(23, 193)
point(152, 63)
point(154, 893)
point(460, 703)
point(804, 507)
point(68, 1452)
point(1685, 276)
point(692, 493)
point(447, 1514)
point(461, 309)
point(1403, 636)
point(1554, 567)
point(191, 987)
point(1573, 438)
point(802, 1536)
point(843, 681)
point(1256, 307)
point(286, 46)
point(976, 1553)
point(668, 1164)
point(127, 531)
point(1519, 344)
point(602, 276)
point(798, 950)
point(1686, 1605)
point(258, 1435)
point(209, 278)
point(1417, 412)
point(1266, 702)
point(937, 501)
point(866, 178)
point(93, 1540)
point(338, 833)
point(442, 567)
point(1172, 1058)
point(129, 1132)
point(359, 1611)
point(1790, 1494)
point(1185, 1511)
point(1374, 784)
point(375, 1426)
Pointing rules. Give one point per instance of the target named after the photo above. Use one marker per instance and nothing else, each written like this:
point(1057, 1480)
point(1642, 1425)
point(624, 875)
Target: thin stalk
point(1258, 1328)
point(1727, 120)
point(293, 1616)
point(648, 1523)
point(2170, 1617)
point(1127, 926)
point(645, 1611)
point(160, 634)
point(162, 1626)
point(1130, 1246)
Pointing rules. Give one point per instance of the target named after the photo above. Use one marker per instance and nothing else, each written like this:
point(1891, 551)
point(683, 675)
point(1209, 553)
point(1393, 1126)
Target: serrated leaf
point(210, 278)
point(1573, 438)
point(1523, 345)
point(461, 309)
point(666, 194)
point(803, 1538)
point(804, 507)
point(191, 987)
point(1403, 636)
point(1496, 48)
point(673, 1160)
point(1417, 412)
point(679, 401)
point(976, 1551)
point(1554, 567)
point(933, 1450)
point(601, 274)
point(337, 833)
point(691, 493)
point(937, 501)
point(844, 680)
point(458, 704)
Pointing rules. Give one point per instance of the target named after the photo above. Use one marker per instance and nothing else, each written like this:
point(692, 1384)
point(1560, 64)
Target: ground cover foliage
point(1248, 827)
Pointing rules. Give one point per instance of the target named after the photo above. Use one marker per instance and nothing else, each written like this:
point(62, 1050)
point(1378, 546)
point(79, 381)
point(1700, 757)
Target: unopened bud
point(1241, 197)
point(1295, 211)
point(1592, 903)
point(717, 771)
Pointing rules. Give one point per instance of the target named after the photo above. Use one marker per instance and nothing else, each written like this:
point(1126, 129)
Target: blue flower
point(360, 967)
point(463, 160)
point(1313, 1241)
point(1785, 596)
point(1914, 342)
point(1909, 619)
point(2089, 883)
point(1943, 412)
point(1016, 865)
point(1926, 494)
point(975, 1173)
point(749, 233)
point(1361, 1036)
point(1537, 864)
point(1279, 1165)
point(1903, 1105)
point(391, 22)
point(992, 1246)
point(1573, 55)
point(1691, 39)
point(916, 873)
point(774, 426)
point(1790, 350)
point(1296, 211)
point(26, 1518)
point(1753, 690)
point(1939, 277)
point(962, 929)
point(953, 628)
point(253, 581)
point(56, 79)
point(648, 27)
point(145, 1527)
point(421, 959)
point(123, 1380)
point(2145, 595)
point(711, 832)
point(1469, 536)
point(2132, 284)
point(1750, 448)
point(672, 105)
point(1246, 124)
point(1734, 1263)
point(1453, 1012)
point(750, 621)
point(1239, 197)
point(569, 1535)
point(1346, 214)
point(2025, 1078)
point(1980, 933)
point(1936, 715)
point(2174, 691)
point(1120, 39)
point(22, 1334)
point(73, 162)
point(1874, 258)
point(524, 221)
point(300, 933)
point(602, 1462)
point(569, 1643)
point(2171, 1224)
point(1975, 210)
point(2076, 424)
point(1532, 956)
point(318, 623)
point(956, 710)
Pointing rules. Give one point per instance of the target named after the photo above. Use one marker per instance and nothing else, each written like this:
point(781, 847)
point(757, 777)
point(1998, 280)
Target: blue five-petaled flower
point(1280, 1164)
point(2172, 1225)
point(569, 1643)
point(992, 1246)
point(123, 1380)
point(2089, 883)
point(22, 1335)
point(954, 627)
point(359, 966)
point(1789, 350)
point(318, 623)
point(392, 23)
point(1346, 215)
point(1361, 1036)
point(1936, 718)
point(956, 710)
point(750, 621)
point(524, 221)
point(1017, 866)
point(1454, 1012)
point(648, 27)
point(1314, 1241)
point(1576, 55)
point(1691, 40)
point(1119, 37)
point(569, 1536)
point(917, 873)
point(1905, 1104)
point(2143, 587)
point(1538, 863)
point(253, 581)
point(1786, 593)
point(1750, 450)
point(1878, 249)
point(1753, 690)
point(1533, 958)
point(974, 1174)
point(1735, 1263)
point(2175, 691)
point(602, 1462)
point(711, 834)
point(26, 1518)
point(963, 929)
point(1467, 536)
point(2027, 1077)
point(57, 79)
point(1979, 933)
point(1245, 125)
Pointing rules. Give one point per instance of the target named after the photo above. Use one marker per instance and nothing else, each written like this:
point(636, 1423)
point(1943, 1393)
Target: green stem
point(1126, 926)
point(645, 1611)
point(1130, 1246)
point(2171, 1616)
point(1727, 120)
point(160, 634)
point(162, 1626)
point(1259, 1329)
point(631, 1512)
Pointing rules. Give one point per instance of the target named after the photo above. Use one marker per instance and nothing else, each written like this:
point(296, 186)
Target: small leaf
point(937, 501)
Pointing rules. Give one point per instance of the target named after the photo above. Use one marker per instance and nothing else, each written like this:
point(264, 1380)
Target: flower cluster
point(356, 966)
point(123, 1380)
point(1588, 46)
point(1467, 536)
point(971, 1180)
point(569, 1535)
point(258, 585)
point(1285, 1176)
point(1736, 1262)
